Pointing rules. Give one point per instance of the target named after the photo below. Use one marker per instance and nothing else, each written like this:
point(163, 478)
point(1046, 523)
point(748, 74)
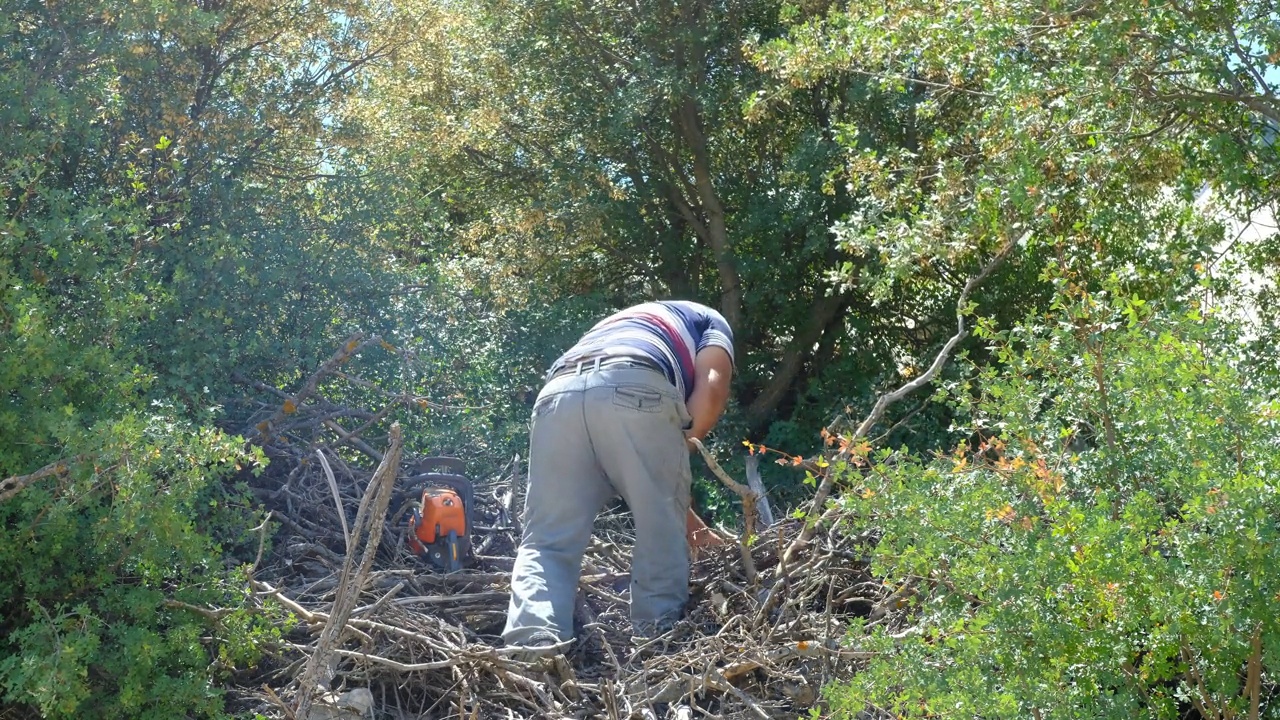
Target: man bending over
point(613, 419)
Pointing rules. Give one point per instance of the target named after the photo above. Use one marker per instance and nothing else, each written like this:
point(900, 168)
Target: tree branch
point(823, 315)
point(13, 485)
point(1253, 677)
point(882, 404)
point(688, 123)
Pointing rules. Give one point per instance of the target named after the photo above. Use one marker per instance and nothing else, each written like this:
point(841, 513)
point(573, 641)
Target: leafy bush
point(97, 571)
point(159, 224)
point(1104, 545)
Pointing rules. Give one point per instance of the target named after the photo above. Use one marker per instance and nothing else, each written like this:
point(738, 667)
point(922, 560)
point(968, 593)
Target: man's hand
point(699, 534)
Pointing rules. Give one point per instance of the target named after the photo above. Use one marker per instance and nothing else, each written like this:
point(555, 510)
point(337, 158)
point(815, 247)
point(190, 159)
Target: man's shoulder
point(706, 324)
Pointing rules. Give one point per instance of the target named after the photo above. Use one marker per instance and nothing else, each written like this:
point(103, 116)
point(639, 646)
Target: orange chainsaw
point(440, 523)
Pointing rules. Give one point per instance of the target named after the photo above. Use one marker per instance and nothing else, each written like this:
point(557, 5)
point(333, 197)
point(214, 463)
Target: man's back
point(667, 333)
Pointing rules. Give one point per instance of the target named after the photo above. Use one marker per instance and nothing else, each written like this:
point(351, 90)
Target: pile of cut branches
point(760, 638)
point(762, 634)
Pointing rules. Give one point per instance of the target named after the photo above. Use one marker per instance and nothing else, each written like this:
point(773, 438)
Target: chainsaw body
point(440, 524)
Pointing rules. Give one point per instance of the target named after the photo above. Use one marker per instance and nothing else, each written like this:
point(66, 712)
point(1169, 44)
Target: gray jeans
point(611, 431)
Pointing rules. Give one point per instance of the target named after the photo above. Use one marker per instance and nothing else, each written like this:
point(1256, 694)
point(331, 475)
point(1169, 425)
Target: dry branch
point(889, 398)
point(427, 644)
point(263, 430)
point(373, 512)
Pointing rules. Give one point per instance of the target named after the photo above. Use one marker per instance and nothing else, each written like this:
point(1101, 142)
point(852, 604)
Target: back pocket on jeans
point(638, 397)
point(543, 405)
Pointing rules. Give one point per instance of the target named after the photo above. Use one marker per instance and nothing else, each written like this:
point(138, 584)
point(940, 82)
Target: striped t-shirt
point(668, 333)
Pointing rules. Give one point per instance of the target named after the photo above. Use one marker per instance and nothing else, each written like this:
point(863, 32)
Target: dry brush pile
point(763, 632)
point(765, 622)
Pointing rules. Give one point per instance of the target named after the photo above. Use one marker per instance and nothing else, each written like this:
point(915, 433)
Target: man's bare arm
point(712, 371)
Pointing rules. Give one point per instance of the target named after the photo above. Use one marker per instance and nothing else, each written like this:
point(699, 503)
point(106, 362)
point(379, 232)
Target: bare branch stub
point(370, 517)
point(749, 498)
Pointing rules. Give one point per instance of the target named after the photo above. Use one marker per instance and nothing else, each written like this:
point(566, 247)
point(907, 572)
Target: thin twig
point(214, 615)
point(748, 510)
point(262, 541)
point(350, 439)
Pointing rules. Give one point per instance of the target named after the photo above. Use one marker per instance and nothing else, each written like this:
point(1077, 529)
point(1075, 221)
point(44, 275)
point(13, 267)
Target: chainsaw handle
point(450, 464)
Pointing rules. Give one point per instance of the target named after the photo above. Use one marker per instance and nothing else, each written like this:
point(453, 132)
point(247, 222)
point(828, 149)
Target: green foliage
point(1080, 124)
point(471, 359)
point(961, 126)
point(601, 150)
point(172, 209)
point(1104, 543)
point(87, 563)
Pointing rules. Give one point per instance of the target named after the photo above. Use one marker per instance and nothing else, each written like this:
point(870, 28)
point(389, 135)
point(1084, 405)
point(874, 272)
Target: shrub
point(100, 571)
point(1104, 543)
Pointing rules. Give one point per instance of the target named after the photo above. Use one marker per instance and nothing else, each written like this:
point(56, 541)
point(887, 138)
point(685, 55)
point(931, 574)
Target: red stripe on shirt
point(682, 352)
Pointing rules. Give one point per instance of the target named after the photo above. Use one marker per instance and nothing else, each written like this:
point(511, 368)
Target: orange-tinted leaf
point(1003, 514)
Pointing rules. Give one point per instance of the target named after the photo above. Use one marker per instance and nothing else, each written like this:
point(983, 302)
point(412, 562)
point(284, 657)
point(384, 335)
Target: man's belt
point(600, 362)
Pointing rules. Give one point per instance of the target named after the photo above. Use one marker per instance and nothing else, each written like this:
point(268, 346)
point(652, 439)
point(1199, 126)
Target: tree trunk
point(826, 312)
point(689, 123)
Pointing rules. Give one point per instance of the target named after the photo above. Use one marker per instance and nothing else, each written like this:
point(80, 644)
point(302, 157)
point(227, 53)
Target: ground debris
point(426, 644)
